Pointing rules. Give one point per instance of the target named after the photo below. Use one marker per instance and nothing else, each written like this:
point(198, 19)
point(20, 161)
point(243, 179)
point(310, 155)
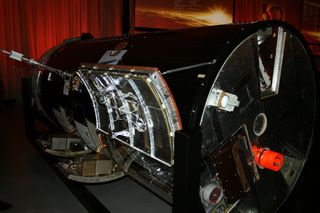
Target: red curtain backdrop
point(292, 10)
point(247, 10)
point(33, 26)
point(252, 10)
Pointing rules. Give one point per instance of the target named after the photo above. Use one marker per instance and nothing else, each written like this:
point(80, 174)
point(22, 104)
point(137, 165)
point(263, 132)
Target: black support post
point(28, 114)
point(126, 16)
point(187, 171)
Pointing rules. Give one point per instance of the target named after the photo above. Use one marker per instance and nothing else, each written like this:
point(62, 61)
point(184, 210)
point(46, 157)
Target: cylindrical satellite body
point(250, 87)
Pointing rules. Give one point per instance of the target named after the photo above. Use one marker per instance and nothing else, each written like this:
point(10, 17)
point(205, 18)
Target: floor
point(29, 184)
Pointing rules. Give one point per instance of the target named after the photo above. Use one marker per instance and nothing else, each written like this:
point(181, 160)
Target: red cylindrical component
point(267, 158)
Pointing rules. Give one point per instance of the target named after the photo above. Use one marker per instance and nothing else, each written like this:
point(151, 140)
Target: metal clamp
point(223, 100)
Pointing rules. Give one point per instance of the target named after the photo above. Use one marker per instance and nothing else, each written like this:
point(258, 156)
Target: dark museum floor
point(29, 184)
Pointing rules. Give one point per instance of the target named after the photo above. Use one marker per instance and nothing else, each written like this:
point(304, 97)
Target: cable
point(20, 57)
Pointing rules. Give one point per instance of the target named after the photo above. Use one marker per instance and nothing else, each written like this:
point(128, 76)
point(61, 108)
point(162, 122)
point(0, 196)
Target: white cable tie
point(19, 57)
point(16, 56)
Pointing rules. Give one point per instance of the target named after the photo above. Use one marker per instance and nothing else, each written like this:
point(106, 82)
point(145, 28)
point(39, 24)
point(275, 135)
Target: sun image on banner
point(176, 14)
point(311, 24)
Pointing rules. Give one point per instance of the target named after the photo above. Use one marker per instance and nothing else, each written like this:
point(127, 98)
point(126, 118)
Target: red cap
point(267, 158)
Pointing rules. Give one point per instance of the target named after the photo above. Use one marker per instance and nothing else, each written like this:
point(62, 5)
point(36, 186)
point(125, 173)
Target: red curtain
point(292, 11)
point(252, 10)
point(33, 26)
point(247, 10)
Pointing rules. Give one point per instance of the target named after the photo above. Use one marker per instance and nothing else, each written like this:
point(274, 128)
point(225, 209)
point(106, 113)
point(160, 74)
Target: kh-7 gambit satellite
point(247, 91)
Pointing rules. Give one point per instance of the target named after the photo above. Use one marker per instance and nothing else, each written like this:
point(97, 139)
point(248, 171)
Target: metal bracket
point(223, 100)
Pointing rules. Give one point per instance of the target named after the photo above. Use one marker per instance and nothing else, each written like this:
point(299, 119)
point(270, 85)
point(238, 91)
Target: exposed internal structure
point(133, 106)
point(250, 88)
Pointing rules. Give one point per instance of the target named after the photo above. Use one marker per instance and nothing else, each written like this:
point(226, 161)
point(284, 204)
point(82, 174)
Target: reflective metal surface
point(133, 106)
point(251, 88)
point(287, 118)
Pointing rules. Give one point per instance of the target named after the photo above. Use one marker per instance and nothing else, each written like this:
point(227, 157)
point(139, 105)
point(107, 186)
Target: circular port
point(260, 124)
point(211, 194)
